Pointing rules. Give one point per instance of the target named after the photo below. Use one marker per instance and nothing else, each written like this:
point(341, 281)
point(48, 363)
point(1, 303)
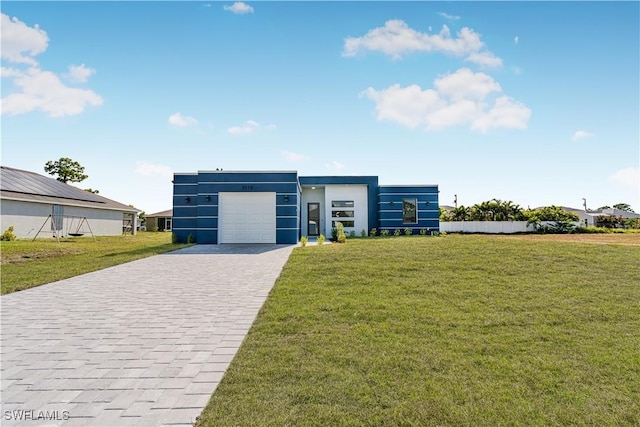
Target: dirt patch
point(18, 258)
point(627, 239)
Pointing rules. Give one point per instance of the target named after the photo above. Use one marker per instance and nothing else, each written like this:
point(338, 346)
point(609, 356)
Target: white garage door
point(247, 218)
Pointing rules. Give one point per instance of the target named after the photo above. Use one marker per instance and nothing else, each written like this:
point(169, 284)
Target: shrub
point(352, 233)
point(373, 232)
point(396, 232)
point(8, 234)
point(334, 231)
point(592, 230)
point(363, 233)
point(303, 241)
point(423, 231)
point(153, 229)
point(174, 238)
point(408, 231)
point(321, 239)
point(191, 238)
point(340, 236)
point(384, 233)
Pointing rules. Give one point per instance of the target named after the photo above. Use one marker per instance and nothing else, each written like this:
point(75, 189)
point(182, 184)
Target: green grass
point(27, 263)
point(450, 331)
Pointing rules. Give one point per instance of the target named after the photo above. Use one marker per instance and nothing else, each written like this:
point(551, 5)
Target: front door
point(313, 219)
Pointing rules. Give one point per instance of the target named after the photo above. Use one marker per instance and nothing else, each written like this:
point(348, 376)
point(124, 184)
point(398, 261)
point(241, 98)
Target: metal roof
point(16, 184)
point(20, 181)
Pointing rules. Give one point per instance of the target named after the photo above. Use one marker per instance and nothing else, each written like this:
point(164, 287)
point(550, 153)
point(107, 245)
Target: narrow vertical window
point(409, 211)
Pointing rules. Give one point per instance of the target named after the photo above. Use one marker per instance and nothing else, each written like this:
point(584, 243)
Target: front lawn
point(446, 331)
point(27, 263)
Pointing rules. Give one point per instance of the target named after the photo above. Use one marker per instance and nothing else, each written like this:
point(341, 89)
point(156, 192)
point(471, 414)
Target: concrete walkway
point(140, 344)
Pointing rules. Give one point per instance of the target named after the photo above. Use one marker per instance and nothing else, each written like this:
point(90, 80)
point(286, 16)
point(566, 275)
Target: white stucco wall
point(28, 217)
point(357, 193)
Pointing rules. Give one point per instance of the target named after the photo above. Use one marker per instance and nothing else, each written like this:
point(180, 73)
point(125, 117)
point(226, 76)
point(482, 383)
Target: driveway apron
point(140, 344)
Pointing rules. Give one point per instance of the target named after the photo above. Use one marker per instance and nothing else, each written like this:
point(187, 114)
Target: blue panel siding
point(205, 177)
point(287, 210)
point(287, 236)
point(286, 222)
point(253, 187)
point(207, 237)
point(390, 207)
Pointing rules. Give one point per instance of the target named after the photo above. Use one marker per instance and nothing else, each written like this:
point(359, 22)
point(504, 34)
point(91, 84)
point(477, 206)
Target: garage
point(247, 217)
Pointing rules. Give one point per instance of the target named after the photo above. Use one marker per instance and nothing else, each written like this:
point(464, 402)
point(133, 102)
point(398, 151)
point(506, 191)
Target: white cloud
point(628, 177)
point(180, 121)
point(516, 39)
point(144, 168)
point(21, 42)
point(334, 165)
point(463, 98)
point(249, 127)
point(10, 72)
point(449, 17)
point(43, 90)
point(396, 38)
point(80, 73)
point(294, 157)
point(581, 134)
point(38, 89)
point(239, 8)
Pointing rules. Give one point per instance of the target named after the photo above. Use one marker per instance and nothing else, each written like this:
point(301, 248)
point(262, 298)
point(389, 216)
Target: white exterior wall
point(28, 217)
point(312, 196)
point(357, 193)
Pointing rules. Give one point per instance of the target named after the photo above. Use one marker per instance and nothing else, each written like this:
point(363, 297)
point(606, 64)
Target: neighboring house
point(590, 217)
point(280, 207)
point(33, 203)
point(159, 221)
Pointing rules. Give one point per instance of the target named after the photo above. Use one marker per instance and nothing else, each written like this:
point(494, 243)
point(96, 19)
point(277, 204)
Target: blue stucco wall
point(390, 207)
point(195, 202)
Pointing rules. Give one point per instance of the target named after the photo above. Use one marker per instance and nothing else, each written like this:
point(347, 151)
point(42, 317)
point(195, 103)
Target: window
point(343, 209)
point(409, 211)
point(342, 204)
point(346, 223)
point(342, 214)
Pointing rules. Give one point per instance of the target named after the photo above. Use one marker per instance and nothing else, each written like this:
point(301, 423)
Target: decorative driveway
point(140, 344)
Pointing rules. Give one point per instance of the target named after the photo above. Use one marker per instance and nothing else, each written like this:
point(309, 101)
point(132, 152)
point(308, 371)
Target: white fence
point(492, 227)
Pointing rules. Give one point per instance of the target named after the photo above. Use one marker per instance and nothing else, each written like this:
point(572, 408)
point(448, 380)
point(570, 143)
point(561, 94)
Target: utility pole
point(455, 200)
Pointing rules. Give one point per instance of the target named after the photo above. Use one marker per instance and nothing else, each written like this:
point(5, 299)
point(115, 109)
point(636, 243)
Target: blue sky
point(534, 102)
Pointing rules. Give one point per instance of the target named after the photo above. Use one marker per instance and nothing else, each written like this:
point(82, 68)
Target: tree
point(66, 169)
point(623, 207)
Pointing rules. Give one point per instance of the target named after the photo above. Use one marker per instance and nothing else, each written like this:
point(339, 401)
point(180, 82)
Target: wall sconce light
point(207, 198)
point(187, 199)
point(286, 198)
point(428, 203)
point(391, 203)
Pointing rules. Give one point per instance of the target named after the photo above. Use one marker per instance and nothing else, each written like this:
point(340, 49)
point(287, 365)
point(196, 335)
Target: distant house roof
point(167, 214)
point(17, 184)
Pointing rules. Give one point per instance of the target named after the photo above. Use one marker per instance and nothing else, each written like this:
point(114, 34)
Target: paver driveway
point(140, 344)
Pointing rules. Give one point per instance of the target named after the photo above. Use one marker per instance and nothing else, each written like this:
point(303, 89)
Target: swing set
point(76, 226)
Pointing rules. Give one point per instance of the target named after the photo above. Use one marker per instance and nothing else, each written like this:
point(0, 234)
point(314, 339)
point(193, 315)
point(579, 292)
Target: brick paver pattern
point(140, 344)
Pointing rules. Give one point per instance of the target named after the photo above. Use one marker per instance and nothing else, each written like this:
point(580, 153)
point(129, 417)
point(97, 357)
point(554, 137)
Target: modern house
point(37, 205)
point(280, 206)
point(159, 221)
